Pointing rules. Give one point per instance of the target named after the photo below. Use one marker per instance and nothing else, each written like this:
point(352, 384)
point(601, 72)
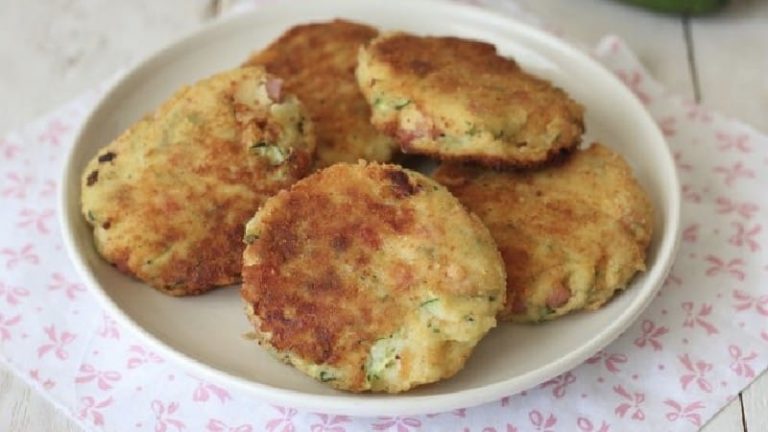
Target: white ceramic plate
point(205, 333)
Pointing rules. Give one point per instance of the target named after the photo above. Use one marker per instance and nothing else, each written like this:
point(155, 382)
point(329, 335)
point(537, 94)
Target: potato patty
point(317, 62)
point(457, 99)
point(371, 277)
point(571, 235)
point(169, 198)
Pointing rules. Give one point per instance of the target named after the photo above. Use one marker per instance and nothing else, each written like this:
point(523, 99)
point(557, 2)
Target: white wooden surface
point(51, 51)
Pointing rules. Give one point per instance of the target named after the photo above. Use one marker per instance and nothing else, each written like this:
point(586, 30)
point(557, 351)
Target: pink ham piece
point(274, 89)
point(558, 296)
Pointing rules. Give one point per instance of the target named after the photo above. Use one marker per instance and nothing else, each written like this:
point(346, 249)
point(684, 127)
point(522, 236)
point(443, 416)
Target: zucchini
point(680, 6)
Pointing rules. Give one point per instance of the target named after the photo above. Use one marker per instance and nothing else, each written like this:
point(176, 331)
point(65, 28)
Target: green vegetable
point(680, 6)
point(430, 301)
point(274, 153)
point(325, 376)
point(400, 104)
point(546, 311)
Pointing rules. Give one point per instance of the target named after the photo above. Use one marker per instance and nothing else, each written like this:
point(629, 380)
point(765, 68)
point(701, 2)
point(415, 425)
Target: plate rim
point(349, 403)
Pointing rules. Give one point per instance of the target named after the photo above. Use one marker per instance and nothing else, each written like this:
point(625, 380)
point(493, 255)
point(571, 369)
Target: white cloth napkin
point(701, 341)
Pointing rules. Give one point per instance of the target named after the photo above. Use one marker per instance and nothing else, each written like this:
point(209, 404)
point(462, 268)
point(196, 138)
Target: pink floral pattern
point(746, 236)
point(8, 149)
point(139, 356)
point(91, 409)
point(165, 416)
point(329, 423)
point(16, 186)
point(542, 422)
point(54, 132)
point(698, 317)
point(611, 361)
point(733, 267)
point(704, 337)
point(57, 343)
point(39, 221)
point(560, 384)
point(630, 404)
point(746, 302)
point(585, 425)
point(744, 209)
point(283, 422)
point(651, 334)
point(6, 326)
point(741, 363)
point(46, 383)
point(15, 257)
point(103, 379)
point(219, 426)
point(733, 142)
point(70, 289)
point(731, 173)
point(109, 328)
point(695, 372)
point(12, 295)
point(206, 391)
point(686, 412)
point(397, 424)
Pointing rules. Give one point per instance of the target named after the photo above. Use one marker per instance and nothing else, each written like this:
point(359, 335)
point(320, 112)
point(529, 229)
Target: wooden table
point(51, 51)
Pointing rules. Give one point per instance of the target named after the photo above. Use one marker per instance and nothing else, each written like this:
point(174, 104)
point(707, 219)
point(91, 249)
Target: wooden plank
point(77, 44)
point(731, 61)
point(755, 399)
point(21, 409)
point(736, 84)
point(727, 420)
point(665, 53)
point(661, 50)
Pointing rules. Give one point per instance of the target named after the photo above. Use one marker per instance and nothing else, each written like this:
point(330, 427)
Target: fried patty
point(459, 100)
point(571, 235)
point(371, 277)
point(317, 62)
point(169, 198)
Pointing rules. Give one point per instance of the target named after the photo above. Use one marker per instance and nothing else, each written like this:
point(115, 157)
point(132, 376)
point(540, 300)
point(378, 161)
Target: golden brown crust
point(458, 99)
point(553, 157)
point(571, 235)
point(169, 198)
point(317, 62)
point(346, 256)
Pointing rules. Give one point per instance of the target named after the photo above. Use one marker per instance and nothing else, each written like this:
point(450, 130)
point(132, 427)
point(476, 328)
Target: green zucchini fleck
point(546, 311)
point(430, 301)
point(326, 376)
point(400, 104)
point(274, 153)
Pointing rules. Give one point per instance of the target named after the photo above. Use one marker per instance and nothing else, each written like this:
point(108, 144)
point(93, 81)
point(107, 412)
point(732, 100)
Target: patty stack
point(362, 273)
